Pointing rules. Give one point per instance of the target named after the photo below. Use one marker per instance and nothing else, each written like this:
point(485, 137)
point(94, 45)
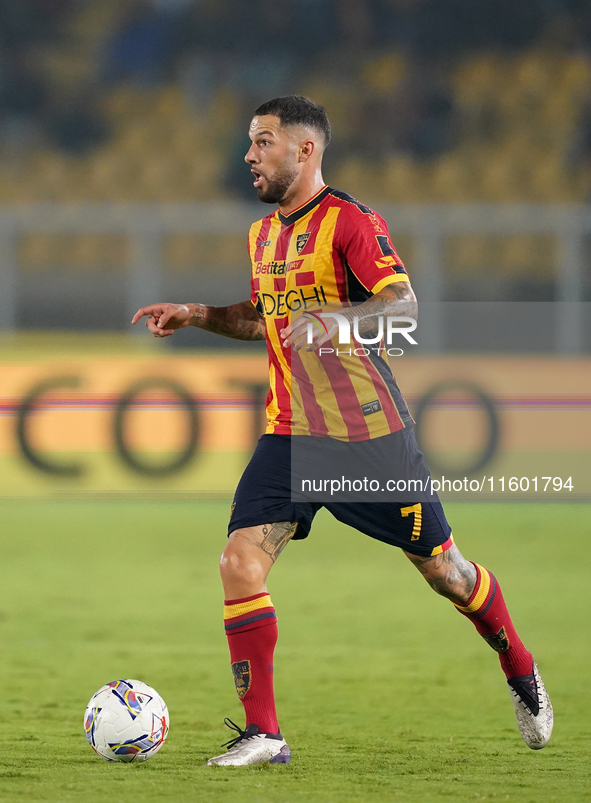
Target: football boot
point(533, 708)
point(252, 747)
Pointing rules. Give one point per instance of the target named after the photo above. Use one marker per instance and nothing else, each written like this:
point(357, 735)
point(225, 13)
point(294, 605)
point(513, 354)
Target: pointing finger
point(139, 315)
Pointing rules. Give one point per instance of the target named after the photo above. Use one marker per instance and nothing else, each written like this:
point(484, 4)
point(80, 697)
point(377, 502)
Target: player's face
point(272, 157)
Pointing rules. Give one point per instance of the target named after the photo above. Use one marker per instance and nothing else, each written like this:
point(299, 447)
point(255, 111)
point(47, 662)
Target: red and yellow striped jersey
point(331, 251)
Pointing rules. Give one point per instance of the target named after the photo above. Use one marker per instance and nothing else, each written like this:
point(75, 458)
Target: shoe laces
point(527, 692)
point(241, 734)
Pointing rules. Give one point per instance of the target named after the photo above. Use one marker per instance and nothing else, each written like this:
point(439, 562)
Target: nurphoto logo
point(387, 328)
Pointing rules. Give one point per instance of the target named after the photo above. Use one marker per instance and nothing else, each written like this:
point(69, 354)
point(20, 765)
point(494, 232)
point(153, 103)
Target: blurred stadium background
point(122, 135)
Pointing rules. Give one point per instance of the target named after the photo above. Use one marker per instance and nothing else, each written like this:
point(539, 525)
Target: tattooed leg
point(276, 537)
point(456, 578)
point(449, 573)
point(249, 556)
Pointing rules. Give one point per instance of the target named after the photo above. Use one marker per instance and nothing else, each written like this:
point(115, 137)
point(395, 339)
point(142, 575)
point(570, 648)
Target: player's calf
point(476, 594)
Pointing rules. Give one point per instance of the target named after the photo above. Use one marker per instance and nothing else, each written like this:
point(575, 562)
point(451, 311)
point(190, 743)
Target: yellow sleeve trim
point(394, 277)
point(230, 611)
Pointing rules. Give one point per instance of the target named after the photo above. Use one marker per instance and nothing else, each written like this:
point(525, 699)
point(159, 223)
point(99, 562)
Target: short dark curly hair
point(298, 110)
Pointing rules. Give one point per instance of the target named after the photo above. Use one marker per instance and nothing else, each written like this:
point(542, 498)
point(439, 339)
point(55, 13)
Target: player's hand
point(163, 319)
point(296, 333)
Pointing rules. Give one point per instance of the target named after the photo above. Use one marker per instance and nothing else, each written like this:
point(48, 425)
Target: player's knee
point(238, 565)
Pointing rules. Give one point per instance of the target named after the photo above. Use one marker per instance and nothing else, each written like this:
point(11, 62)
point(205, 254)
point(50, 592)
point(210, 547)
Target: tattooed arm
point(240, 321)
point(396, 300)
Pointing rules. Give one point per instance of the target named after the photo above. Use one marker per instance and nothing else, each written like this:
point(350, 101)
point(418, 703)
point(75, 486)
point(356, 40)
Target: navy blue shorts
point(264, 495)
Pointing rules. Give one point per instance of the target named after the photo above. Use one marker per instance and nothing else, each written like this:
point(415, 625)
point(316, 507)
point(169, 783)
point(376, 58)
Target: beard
point(278, 186)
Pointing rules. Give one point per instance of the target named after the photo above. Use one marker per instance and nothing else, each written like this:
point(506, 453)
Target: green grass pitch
point(384, 692)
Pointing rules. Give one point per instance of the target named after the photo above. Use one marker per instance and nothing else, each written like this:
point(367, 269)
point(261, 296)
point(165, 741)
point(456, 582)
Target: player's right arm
point(240, 321)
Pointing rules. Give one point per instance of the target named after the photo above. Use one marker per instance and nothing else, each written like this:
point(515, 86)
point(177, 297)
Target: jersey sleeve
point(362, 239)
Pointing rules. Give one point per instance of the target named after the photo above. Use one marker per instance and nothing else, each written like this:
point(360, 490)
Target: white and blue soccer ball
point(126, 720)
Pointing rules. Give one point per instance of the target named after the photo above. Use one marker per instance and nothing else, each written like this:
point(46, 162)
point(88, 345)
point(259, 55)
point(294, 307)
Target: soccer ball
point(126, 720)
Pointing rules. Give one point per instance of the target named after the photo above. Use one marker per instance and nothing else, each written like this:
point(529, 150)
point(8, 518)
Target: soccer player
point(321, 247)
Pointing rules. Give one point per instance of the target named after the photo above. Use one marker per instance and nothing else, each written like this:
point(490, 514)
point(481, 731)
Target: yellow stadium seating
point(404, 181)
point(517, 118)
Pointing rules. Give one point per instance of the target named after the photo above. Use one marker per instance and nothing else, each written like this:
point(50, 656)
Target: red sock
point(487, 610)
point(251, 628)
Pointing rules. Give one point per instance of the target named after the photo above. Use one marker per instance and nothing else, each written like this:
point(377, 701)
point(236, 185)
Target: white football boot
point(252, 747)
point(533, 709)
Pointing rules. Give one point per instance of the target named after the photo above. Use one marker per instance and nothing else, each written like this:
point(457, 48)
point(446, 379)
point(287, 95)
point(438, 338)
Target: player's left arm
point(396, 300)
point(366, 248)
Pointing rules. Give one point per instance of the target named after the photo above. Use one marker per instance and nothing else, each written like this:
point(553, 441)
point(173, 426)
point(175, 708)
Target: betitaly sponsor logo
point(277, 268)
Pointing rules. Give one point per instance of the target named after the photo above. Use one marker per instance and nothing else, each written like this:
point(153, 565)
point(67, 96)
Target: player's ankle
point(516, 661)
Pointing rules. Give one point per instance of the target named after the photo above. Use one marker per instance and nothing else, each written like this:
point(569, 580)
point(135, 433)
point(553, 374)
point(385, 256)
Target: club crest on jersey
point(242, 677)
point(301, 241)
